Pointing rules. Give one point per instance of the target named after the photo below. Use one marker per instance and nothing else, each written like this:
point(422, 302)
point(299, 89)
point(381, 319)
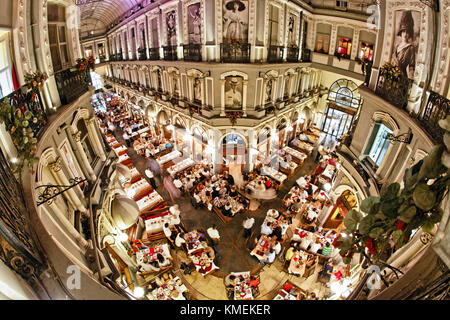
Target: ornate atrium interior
point(224, 150)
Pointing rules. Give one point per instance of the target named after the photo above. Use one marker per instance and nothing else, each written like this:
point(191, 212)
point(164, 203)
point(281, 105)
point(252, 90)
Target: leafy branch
point(391, 218)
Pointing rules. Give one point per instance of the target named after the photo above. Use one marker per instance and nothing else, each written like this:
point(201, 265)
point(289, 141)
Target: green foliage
point(399, 211)
point(18, 126)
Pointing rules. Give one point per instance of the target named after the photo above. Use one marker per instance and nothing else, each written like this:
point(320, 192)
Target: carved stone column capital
point(77, 136)
point(55, 166)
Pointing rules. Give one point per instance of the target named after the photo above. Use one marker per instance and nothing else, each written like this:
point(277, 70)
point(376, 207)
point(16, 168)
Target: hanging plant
point(234, 115)
point(18, 123)
point(398, 212)
point(35, 80)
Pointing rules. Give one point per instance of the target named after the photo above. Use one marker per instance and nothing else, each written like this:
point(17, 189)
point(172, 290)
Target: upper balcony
point(234, 52)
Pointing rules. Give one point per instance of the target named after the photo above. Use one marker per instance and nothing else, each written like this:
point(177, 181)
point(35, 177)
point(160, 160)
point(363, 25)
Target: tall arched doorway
point(162, 120)
point(234, 150)
point(342, 108)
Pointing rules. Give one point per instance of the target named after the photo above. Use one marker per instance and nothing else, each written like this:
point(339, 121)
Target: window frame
point(7, 69)
point(58, 24)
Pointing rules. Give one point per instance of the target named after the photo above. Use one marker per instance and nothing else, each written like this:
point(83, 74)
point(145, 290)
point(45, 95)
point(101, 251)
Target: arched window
point(263, 135)
point(344, 93)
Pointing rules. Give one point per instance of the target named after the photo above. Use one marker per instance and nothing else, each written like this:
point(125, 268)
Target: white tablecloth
point(149, 200)
point(295, 153)
point(186, 163)
point(169, 157)
point(268, 171)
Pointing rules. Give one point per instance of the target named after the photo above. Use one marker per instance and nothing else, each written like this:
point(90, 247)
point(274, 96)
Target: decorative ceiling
point(97, 16)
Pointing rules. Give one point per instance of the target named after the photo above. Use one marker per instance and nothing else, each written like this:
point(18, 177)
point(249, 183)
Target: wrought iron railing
point(275, 54)
point(395, 92)
point(170, 53)
point(192, 52)
point(153, 54)
point(142, 54)
point(235, 52)
point(292, 54)
point(71, 84)
point(437, 108)
point(19, 250)
point(119, 56)
point(29, 101)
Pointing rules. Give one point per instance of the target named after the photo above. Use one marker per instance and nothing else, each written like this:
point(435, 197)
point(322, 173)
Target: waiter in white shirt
point(213, 234)
point(151, 177)
point(248, 224)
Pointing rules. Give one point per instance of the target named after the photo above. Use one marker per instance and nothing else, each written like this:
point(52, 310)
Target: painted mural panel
point(194, 24)
point(407, 35)
point(235, 21)
point(233, 92)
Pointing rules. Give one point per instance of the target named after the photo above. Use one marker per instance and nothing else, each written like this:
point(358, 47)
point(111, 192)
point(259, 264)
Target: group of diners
point(241, 285)
point(166, 287)
point(305, 197)
point(185, 180)
point(148, 146)
point(269, 243)
point(259, 186)
point(218, 192)
point(292, 292)
point(311, 247)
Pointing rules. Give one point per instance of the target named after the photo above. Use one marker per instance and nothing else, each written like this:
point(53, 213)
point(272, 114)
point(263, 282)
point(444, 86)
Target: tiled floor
point(232, 255)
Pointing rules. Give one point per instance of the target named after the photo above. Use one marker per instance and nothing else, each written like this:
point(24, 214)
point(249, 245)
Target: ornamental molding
point(77, 136)
point(186, 5)
point(55, 166)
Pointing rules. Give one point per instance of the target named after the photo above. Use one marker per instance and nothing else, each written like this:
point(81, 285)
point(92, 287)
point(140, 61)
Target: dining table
point(149, 200)
point(274, 174)
point(171, 290)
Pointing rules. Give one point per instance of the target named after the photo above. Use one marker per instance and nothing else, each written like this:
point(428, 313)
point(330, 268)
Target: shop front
point(234, 151)
point(346, 202)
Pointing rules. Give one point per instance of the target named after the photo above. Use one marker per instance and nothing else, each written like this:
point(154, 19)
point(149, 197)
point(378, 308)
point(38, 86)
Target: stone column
point(333, 39)
point(66, 224)
point(82, 155)
point(222, 90)
point(93, 133)
point(355, 44)
point(244, 98)
point(70, 195)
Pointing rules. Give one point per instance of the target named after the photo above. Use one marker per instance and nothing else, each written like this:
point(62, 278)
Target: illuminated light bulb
point(131, 193)
point(327, 187)
point(122, 237)
point(14, 160)
point(139, 292)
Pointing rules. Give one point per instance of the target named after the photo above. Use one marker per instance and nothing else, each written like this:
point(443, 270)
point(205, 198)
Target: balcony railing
point(153, 54)
point(306, 55)
point(292, 54)
point(170, 53)
point(29, 101)
point(192, 52)
point(119, 56)
point(437, 108)
point(142, 54)
point(275, 54)
point(394, 91)
point(235, 52)
point(71, 85)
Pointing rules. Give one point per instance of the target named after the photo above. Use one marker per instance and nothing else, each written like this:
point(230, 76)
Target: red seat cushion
point(287, 287)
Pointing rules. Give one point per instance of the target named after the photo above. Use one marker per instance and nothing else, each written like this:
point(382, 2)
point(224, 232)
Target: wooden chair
point(219, 213)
